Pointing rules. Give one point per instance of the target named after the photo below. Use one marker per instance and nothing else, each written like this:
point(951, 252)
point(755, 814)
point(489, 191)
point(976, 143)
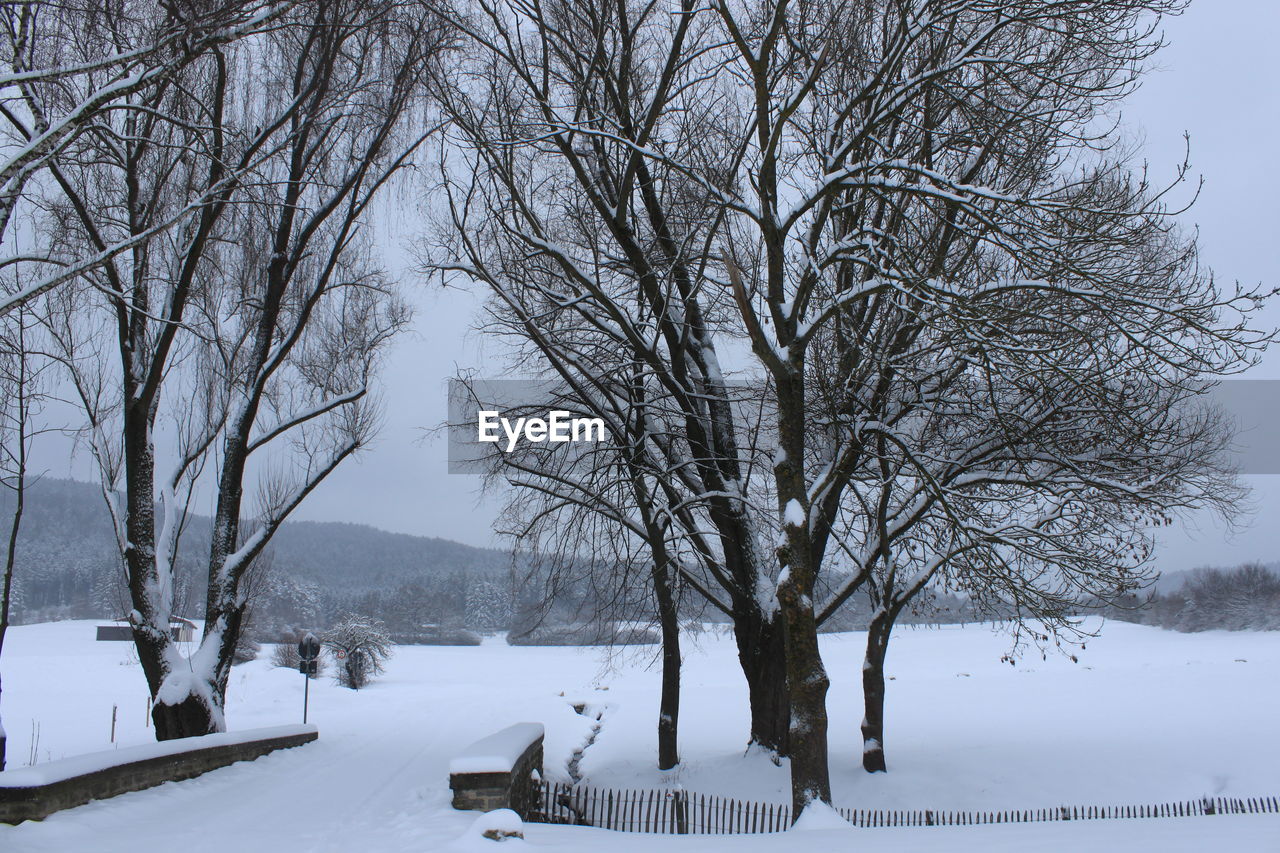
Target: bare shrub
point(285, 655)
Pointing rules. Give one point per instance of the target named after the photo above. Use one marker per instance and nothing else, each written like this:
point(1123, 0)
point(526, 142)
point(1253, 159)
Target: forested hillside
point(68, 567)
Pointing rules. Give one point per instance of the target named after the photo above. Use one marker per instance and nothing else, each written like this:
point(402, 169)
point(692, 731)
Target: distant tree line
point(1244, 598)
point(83, 587)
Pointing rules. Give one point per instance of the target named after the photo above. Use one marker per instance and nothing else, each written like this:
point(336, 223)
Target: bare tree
point(1036, 506)
point(596, 256)
point(928, 197)
point(68, 64)
point(261, 316)
point(966, 306)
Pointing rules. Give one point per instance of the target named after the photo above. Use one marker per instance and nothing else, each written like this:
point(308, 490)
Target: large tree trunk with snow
point(191, 700)
point(150, 588)
point(762, 654)
point(873, 692)
point(806, 676)
point(808, 682)
point(189, 717)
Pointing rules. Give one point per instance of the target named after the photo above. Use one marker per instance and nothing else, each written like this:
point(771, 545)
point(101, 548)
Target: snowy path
point(376, 781)
point(371, 790)
point(369, 793)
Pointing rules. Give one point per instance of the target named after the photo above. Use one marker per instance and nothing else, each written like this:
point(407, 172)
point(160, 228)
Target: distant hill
point(68, 566)
point(356, 556)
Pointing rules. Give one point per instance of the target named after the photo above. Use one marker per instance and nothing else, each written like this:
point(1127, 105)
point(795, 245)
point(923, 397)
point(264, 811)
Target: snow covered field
point(1145, 716)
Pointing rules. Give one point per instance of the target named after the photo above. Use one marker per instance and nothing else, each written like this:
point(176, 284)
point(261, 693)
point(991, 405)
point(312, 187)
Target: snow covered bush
point(361, 646)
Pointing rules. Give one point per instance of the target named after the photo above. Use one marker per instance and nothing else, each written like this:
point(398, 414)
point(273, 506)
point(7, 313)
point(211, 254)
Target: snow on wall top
point(499, 752)
point(79, 765)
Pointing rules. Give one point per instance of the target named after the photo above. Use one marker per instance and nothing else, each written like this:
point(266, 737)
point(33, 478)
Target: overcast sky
point(1216, 81)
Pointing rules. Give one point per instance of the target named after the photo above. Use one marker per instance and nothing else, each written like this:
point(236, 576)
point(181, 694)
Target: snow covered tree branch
point(70, 65)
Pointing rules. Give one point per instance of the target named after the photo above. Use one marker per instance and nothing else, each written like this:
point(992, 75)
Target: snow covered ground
point(1145, 716)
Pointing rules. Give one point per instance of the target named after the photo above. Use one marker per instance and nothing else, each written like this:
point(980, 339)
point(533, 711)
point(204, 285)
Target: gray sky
point(1215, 81)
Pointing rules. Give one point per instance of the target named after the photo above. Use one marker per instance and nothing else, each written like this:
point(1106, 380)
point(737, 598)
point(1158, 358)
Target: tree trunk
point(806, 676)
point(873, 693)
point(6, 589)
point(669, 704)
point(762, 654)
point(810, 773)
point(150, 619)
point(194, 714)
point(150, 616)
point(191, 717)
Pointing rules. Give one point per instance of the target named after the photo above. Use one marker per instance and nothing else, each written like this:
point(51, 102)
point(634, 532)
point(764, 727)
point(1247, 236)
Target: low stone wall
point(488, 789)
point(19, 802)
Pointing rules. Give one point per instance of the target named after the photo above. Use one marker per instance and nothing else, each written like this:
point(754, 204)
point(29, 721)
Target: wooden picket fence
point(682, 812)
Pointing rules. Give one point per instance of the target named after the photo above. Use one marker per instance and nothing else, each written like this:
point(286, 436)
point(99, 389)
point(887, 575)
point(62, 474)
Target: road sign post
point(308, 659)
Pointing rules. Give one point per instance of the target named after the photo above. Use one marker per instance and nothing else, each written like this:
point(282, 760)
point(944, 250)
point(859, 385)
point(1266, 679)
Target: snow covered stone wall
point(499, 771)
point(34, 793)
